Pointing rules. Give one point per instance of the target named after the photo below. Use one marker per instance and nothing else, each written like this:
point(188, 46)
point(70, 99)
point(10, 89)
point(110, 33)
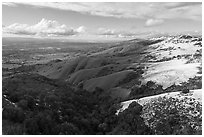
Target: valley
point(97, 88)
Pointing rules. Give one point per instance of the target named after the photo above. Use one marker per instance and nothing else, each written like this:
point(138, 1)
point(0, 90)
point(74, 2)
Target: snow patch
point(171, 72)
point(175, 47)
point(196, 94)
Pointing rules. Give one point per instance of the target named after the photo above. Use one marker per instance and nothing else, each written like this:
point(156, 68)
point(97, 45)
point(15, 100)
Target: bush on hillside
point(130, 122)
point(172, 116)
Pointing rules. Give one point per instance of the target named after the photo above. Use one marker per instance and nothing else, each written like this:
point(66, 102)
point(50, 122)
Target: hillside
point(167, 61)
point(115, 89)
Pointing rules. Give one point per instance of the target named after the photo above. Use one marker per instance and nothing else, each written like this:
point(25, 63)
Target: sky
point(116, 20)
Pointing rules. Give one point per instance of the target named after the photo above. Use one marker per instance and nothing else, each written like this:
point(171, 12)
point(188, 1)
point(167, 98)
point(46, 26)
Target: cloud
point(172, 5)
point(43, 28)
point(10, 4)
point(153, 22)
point(119, 34)
point(144, 10)
point(81, 29)
point(109, 32)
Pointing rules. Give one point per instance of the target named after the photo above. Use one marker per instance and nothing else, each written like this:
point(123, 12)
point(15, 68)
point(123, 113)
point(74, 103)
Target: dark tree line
point(69, 110)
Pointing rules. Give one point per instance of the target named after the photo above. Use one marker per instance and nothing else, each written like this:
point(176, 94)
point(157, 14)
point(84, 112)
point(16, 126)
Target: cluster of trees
point(151, 88)
point(148, 89)
point(68, 110)
point(130, 122)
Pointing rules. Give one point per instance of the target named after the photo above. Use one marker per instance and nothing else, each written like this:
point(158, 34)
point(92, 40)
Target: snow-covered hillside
point(195, 94)
point(174, 60)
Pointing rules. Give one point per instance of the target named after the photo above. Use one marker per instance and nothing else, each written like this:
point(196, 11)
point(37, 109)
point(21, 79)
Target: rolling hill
point(167, 61)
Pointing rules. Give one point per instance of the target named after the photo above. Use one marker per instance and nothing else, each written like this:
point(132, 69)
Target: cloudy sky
point(100, 20)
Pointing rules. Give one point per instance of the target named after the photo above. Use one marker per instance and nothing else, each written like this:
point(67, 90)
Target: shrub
point(150, 88)
point(14, 114)
point(173, 116)
point(23, 104)
point(68, 129)
point(10, 128)
point(31, 126)
point(185, 91)
point(130, 122)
